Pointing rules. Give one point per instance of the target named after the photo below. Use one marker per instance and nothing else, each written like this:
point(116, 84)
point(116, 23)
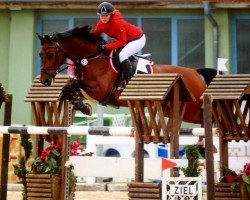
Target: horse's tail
point(208, 74)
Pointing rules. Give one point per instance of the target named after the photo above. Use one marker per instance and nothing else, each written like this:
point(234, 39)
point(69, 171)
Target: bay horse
point(96, 74)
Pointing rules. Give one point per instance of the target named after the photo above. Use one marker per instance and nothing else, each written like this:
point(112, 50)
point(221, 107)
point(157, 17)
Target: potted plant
point(238, 182)
point(46, 168)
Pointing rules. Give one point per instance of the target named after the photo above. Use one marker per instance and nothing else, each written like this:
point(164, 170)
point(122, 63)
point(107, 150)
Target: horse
point(95, 72)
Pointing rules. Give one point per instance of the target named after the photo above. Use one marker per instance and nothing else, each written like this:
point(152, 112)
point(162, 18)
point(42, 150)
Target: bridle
point(79, 64)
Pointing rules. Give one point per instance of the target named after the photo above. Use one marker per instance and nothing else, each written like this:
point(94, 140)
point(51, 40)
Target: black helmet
point(105, 8)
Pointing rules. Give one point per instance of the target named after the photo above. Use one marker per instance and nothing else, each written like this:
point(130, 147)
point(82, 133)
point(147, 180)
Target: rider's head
point(105, 9)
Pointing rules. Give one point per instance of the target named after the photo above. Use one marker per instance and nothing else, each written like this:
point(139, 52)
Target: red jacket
point(119, 29)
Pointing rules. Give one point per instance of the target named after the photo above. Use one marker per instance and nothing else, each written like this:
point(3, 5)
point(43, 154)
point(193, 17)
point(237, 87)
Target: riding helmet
point(105, 8)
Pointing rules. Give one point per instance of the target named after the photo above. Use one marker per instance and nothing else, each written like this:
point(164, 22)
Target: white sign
point(221, 64)
point(181, 188)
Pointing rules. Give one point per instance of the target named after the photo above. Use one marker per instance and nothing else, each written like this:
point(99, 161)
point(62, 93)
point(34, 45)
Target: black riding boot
point(127, 70)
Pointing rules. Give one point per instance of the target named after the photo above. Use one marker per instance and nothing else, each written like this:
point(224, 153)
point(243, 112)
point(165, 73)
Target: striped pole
point(71, 130)
point(91, 130)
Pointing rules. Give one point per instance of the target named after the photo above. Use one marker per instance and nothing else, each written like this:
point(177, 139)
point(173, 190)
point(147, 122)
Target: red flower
point(230, 178)
point(239, 178)
point(247, 169)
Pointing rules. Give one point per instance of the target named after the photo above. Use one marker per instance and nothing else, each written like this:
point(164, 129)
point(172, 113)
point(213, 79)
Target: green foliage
point(20, 169)
point(193, 169)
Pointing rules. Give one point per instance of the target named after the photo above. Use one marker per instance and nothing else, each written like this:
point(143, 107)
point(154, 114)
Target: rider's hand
point(101, 48)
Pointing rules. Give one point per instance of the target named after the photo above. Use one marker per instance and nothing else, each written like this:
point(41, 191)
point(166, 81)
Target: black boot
point(127, 70)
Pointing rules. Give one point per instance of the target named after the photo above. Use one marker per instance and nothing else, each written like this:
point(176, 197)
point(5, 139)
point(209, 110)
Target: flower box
point(43, 186)
point(222, 191)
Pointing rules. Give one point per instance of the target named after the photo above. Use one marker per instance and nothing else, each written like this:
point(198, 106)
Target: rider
point(130, 39)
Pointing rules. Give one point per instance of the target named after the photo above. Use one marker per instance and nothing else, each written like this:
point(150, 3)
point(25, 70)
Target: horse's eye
point(49, 55)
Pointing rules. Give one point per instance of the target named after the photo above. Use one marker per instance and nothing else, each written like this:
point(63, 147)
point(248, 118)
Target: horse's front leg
point(72, 93)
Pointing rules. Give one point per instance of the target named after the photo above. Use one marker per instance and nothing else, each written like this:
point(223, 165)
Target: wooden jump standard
point(7, 100)
point(140, 92)
point(49, 110)
point(227, 104)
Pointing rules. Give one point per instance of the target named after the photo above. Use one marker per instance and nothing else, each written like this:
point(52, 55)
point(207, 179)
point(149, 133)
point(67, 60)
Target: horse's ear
point(87, 28)
point(40, 37)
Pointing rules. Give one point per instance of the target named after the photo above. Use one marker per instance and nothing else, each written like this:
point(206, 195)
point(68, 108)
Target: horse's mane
point(78, 32)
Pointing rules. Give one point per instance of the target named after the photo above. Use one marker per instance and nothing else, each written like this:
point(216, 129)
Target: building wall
point(19, 47)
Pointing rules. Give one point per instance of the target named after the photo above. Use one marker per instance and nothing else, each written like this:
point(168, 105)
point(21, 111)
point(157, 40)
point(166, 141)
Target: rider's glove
point(101, 48)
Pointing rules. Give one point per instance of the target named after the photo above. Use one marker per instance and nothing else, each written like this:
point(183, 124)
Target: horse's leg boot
point(127, 70)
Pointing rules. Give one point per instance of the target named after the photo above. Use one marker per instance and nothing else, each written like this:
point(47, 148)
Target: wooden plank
point(144, 185)
point(54, 88)
point(224, 90)
point(39, 190)
point(229, 94)
point(43, 95)
point(144, 93)
point(234, 75)
point(230, 82)
point(207, 115)
point(5, 145)
point(38, 180)
point(53, 85)
point(144, 89)
point(154, 78)
point(227, 86)
point(34, 194)
point(33, 185)
point(154, 82)
point(144, 190)
point(231, 78)
point(141, 98)
point(56, 92)
point(240, 115)
point(156, 138)
point(143, 118)
point(146, 86)
point(157, 75)
point(46, 176)
point(144, 195)
point(40, 99)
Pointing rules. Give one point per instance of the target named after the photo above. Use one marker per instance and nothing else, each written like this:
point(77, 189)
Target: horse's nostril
point(47, 82)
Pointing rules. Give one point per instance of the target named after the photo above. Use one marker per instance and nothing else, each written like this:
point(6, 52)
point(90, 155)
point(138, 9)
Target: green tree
point(192, 154)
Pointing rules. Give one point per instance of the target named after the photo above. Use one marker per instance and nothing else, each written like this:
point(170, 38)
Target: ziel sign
point(181, 188)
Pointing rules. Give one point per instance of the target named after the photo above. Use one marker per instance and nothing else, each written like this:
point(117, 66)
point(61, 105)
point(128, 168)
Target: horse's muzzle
point(47, 82)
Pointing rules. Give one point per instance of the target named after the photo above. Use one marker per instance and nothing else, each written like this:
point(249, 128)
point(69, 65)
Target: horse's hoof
point(88, 109)
point(85, 108)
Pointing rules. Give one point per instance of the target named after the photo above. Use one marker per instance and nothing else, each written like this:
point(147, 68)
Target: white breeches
point(132, 48)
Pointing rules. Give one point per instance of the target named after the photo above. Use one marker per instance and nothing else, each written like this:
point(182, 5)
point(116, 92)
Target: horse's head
point(51, 59)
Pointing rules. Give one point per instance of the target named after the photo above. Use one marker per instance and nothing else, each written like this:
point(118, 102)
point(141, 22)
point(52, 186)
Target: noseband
point(56, 53)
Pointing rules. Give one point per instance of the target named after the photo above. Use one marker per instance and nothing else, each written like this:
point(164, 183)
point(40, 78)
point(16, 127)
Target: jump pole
point(91, 130)
point(71, 130)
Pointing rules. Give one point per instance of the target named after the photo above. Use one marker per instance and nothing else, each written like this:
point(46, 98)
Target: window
point(241, 44)
point(170, 40)
point(191, 43)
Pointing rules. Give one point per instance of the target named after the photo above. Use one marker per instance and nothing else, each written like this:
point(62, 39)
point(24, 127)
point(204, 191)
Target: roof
point(154, 87)
point(229, 87)
point(88, 4)
point(39, 93)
